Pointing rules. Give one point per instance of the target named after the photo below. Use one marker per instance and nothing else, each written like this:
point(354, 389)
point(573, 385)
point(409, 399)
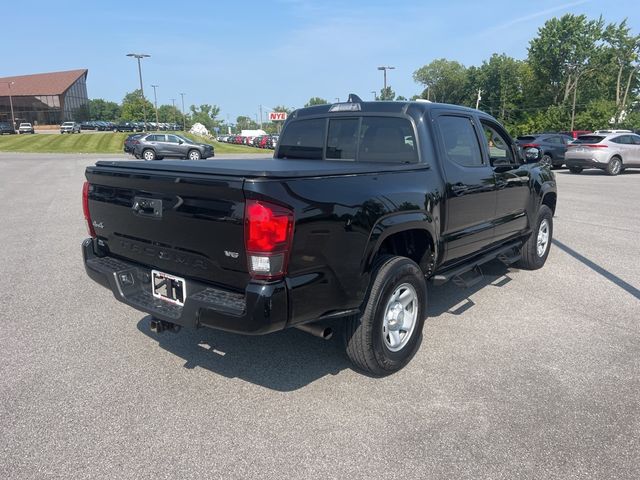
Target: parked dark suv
point(156, 146)
point(551, 146)
point(5, 127)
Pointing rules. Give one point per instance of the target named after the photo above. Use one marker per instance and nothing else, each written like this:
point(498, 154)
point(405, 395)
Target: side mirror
point(180, 142)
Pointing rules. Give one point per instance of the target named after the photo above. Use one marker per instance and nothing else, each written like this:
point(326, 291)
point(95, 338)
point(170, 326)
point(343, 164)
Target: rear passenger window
point(460, 140)
point(342, 138)
point(303, 139)
point(387, 139)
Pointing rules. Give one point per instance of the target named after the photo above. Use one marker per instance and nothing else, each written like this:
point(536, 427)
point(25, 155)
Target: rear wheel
point(546, 160)
point(149, 154)
point(615, 166)
point(536, 250)
point(386, 336)
point(575, 169)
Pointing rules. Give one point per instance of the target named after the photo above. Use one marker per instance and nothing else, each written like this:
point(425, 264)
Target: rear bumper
point(261, 309)
point(584, 163)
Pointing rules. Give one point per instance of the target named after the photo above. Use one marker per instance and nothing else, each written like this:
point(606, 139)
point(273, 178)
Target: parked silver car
point(611, 152)
point(70, 127)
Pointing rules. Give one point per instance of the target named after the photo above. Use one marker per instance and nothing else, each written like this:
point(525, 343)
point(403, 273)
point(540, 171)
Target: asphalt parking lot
point(527, 375)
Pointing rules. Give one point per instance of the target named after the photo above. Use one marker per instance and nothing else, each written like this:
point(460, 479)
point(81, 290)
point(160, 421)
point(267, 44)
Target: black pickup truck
point(362, 204)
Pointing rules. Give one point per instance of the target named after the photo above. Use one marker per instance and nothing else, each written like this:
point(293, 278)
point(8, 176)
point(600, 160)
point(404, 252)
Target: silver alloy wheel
point(400, 317)
point(616, 166)
point(149, 155)
point(194, 155)
point(545, 160)
point(543, 238)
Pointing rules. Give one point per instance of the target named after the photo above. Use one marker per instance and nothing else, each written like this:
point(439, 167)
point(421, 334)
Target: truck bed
point(256, 168)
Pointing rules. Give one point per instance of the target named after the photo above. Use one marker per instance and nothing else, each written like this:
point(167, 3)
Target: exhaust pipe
point(317, 330)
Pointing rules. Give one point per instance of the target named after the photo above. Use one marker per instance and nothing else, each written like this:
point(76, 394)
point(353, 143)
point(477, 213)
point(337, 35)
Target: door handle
point(458, 188)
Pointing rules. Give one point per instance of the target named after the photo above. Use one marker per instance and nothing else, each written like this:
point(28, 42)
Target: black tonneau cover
point(253, 168)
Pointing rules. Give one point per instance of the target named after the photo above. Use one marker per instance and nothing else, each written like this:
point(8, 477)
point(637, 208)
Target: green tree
point(282, 108)
point(624, 49)
point(316, 101)
point(169, 114)
point(444, 80)
point(100, 109)
point(133, 106)
point(503, 84)
point(206, 115)
point(245, 123)
point(386, 94)
point(561, 54)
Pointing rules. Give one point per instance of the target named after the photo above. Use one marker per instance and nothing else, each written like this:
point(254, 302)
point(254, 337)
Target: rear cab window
point(383, 139)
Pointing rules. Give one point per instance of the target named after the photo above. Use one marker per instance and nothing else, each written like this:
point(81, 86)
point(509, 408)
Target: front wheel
point(194, 155)
point(536, 250)
point(385, 337)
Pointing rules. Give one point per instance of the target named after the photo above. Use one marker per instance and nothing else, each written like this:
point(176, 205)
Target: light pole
point(384, 69)
point(375, 94)
point(337, 99)
point(173, 102)
point(155, 103)
point(13, 118)
point(140, 56)
point(184, 118)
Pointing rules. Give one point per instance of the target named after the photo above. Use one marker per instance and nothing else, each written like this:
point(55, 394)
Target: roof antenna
point(353, 98)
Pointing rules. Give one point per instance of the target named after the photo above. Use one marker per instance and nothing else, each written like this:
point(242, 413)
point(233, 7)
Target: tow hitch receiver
point(159, 326)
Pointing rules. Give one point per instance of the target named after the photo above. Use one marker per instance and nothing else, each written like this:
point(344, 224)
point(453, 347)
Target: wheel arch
point(408, 234)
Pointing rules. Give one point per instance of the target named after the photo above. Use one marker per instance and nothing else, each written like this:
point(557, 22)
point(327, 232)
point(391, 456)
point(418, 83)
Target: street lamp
point(384, 69)
point(155, 103)
point(140, 56)
point(13, 118)
point(375, 94)
point(184, 117)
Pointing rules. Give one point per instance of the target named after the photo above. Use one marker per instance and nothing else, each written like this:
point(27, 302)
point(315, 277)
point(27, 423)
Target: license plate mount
point(169, 288)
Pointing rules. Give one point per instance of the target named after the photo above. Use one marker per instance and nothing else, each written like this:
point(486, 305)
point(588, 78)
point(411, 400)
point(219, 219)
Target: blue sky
point(239, 55)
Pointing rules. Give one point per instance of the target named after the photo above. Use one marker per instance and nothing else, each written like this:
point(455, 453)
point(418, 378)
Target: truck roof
point(388, 107)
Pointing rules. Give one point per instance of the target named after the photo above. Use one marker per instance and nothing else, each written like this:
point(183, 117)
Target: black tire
point(364, 336)
point(149, 154)
point(546, 160)
point(614, 167)
point(194, 155)
point(532, 259)
point(575, 169)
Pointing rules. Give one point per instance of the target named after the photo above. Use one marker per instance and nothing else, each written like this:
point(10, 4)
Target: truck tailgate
point(179, 223)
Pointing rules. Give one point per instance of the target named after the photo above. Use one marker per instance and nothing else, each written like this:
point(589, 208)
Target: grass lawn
point(102, 142)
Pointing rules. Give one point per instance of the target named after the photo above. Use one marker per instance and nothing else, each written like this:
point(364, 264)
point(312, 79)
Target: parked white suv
point(612, 152)
point(70, 127)
point(26, 128)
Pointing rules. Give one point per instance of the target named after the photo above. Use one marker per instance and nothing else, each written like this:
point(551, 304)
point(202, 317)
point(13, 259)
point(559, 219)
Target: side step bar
point(507, 254)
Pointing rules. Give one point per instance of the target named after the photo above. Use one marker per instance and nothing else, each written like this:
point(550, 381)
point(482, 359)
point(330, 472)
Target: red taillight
point(268, 237)
point(85, 209)
point(531, 145)
point(596, 145)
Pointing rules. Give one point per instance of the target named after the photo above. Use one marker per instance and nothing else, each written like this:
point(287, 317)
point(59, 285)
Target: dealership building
point(45, 98)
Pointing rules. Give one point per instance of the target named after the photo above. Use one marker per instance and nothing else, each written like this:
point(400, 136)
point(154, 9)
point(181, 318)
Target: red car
point(575, 133)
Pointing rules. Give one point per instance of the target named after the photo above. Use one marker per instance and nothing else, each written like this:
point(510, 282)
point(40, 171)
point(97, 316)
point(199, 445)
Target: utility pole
point(184, 117)
point(155, 102)
point(173, 102)
point(260, 117)
point(384, 70)
point(13, 118)
point(478, 98)
point(140, 56)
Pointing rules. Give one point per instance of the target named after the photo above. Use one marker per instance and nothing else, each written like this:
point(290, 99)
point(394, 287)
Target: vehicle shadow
point(449, 298)
point(289, 360)
point(283, 361)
